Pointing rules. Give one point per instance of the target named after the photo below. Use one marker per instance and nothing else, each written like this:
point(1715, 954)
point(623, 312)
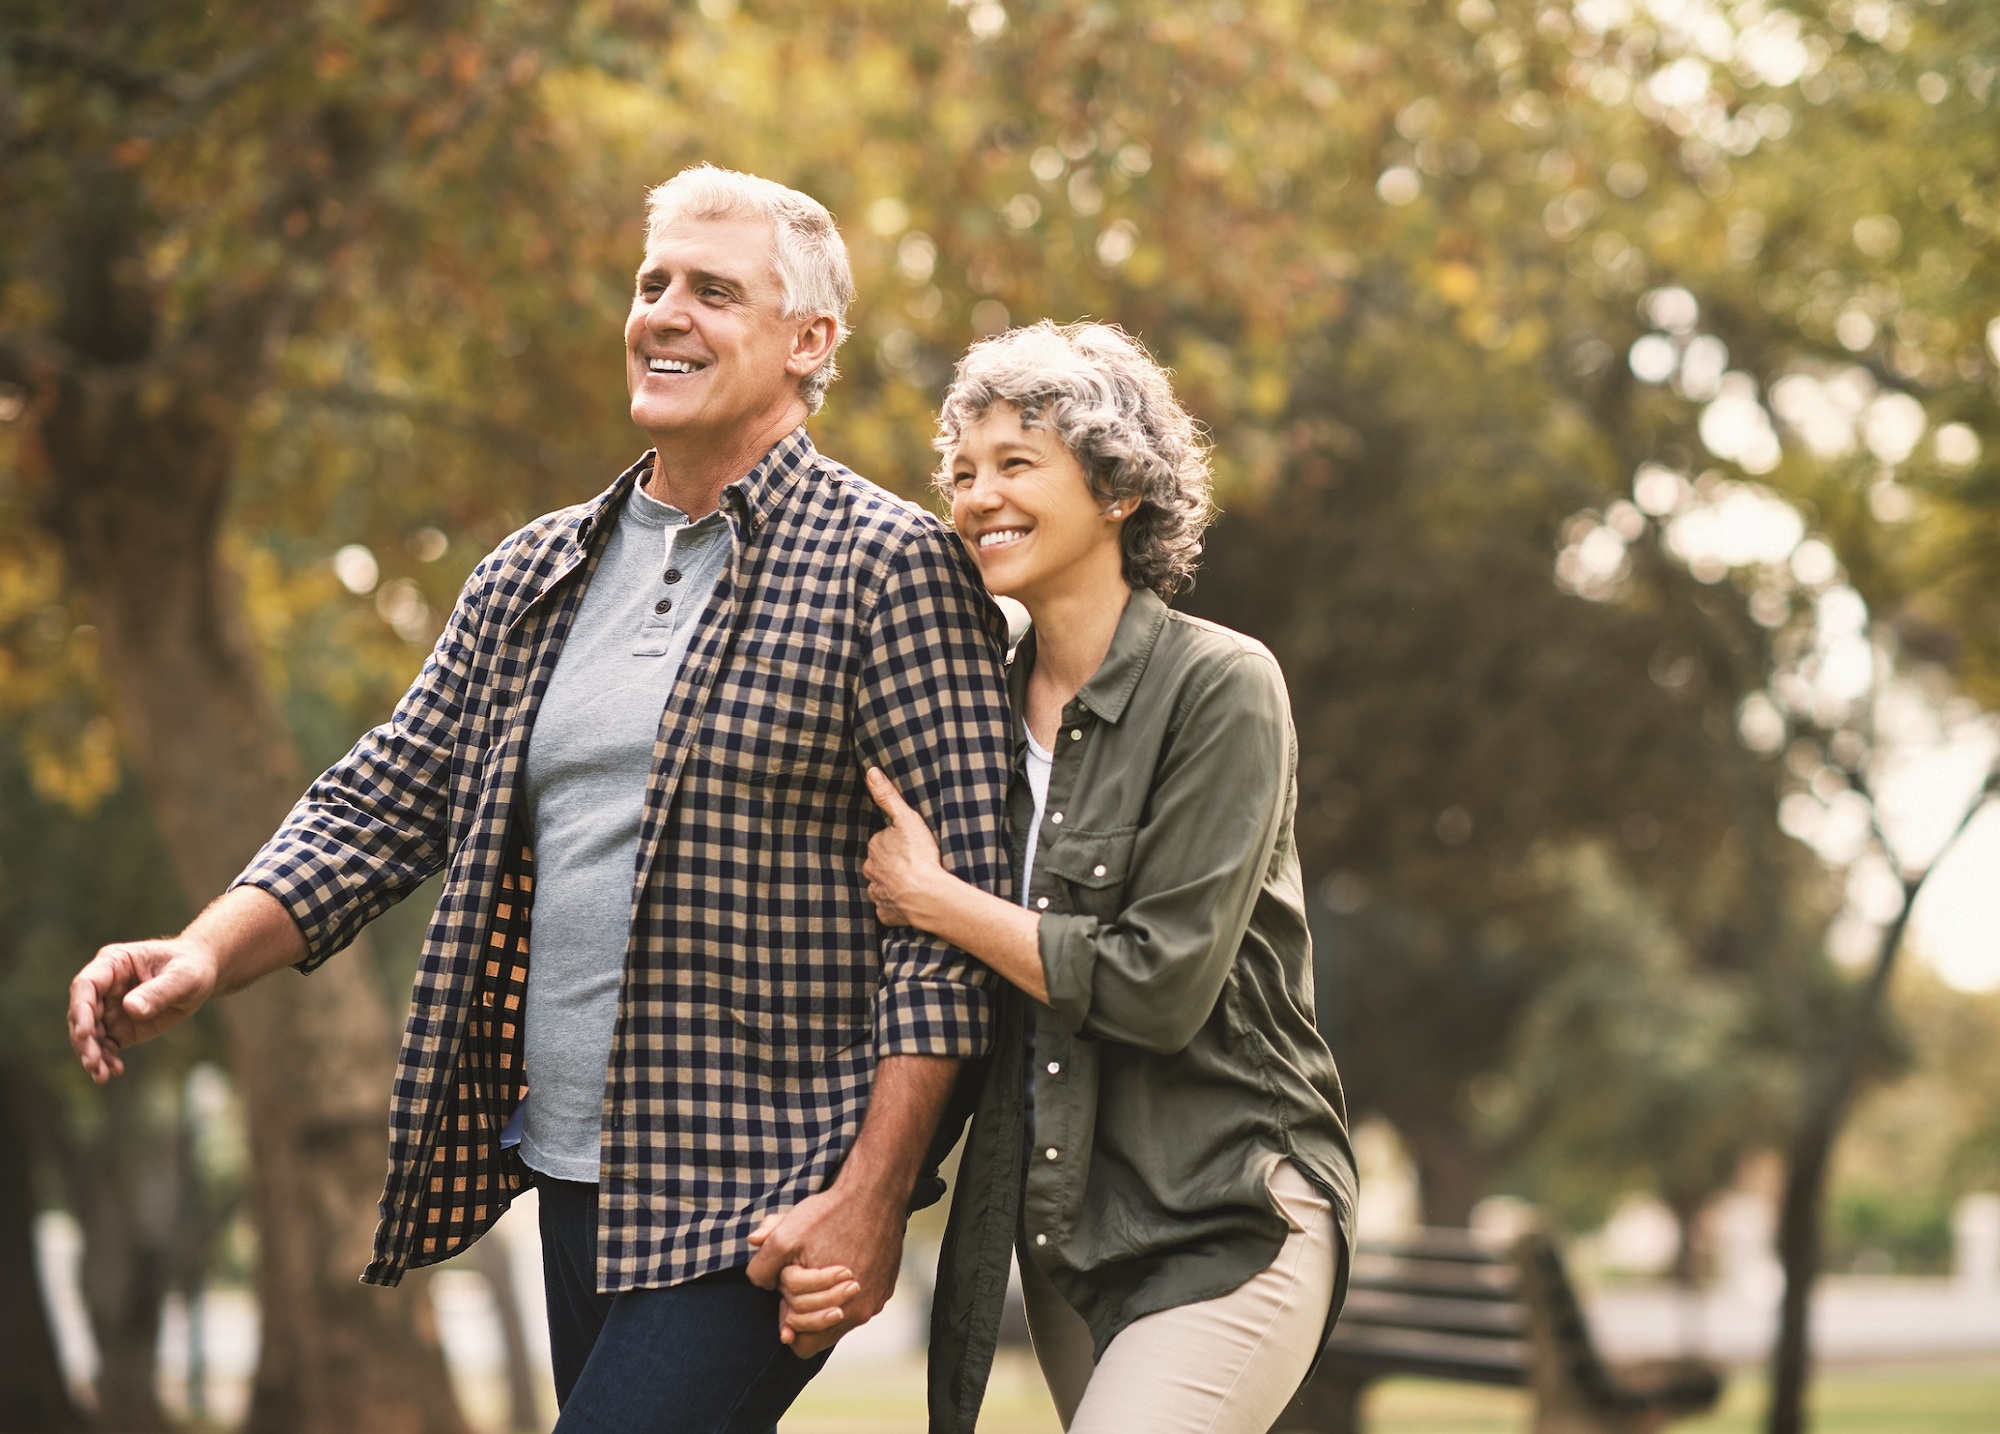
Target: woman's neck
point(1073, 632)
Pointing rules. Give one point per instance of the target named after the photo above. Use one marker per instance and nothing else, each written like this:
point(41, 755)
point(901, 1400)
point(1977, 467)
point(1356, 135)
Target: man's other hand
point(862, 1233)
point(132, 991)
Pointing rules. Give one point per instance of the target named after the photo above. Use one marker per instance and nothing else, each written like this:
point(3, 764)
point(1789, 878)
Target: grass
point(1904, 1399)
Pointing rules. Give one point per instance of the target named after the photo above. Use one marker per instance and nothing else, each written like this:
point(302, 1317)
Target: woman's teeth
point(1001, 535)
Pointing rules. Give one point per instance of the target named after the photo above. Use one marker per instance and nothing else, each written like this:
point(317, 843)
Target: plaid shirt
point(758, 993)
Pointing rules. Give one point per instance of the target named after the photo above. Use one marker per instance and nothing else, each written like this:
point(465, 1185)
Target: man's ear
point(812, 345)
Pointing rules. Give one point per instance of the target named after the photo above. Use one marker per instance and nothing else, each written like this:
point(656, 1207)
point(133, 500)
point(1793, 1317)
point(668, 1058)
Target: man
point(648, 721)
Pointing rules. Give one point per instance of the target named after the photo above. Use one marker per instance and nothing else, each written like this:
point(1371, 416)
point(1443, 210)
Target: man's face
point(707, 348)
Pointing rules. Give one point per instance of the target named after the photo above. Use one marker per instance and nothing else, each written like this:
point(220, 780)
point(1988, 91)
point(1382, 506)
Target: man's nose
point(669, 312)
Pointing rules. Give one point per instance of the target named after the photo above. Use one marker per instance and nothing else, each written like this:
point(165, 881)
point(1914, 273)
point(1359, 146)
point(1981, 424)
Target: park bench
point(1447, 1304)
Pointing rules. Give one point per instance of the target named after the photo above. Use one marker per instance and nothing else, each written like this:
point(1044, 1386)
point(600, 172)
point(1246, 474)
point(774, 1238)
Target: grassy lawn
point(1908, 1399)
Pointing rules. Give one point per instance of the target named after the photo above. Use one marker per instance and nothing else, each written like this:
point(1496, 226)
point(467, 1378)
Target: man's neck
point(691, 470)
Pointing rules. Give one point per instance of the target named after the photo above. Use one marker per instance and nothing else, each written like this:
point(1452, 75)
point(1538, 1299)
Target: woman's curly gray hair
point(1110, 404)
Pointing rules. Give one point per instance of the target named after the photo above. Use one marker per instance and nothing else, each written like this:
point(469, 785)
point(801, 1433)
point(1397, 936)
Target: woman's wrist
point(929, 904)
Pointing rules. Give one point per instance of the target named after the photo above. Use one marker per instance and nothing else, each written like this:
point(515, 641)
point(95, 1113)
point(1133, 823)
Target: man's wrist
point(880, 1181)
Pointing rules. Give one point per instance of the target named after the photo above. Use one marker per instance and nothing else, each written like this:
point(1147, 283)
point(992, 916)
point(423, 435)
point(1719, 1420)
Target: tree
point(188, 187)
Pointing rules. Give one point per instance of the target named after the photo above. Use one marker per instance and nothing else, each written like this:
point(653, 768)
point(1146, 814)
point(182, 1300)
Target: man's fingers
point(174, 986)
point(775, 1250)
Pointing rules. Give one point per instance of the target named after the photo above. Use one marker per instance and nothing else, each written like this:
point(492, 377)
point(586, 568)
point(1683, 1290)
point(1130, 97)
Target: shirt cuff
point(1069, 962)
point(326, 912)
point(933, 1017)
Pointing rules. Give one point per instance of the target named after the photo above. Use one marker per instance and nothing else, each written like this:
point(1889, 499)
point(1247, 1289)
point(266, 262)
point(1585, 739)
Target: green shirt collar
point(1111, 686)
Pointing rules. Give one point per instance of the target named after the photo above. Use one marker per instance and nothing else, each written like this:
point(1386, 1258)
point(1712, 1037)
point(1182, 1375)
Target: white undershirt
point(1040, 762)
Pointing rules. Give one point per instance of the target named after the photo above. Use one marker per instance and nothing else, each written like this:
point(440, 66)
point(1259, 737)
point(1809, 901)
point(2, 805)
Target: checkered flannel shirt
point(758, 994)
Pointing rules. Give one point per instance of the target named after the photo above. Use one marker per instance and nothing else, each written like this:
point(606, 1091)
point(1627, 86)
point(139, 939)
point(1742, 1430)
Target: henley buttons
point(1055, 819)
point(664, 605)
point(673, 575)
point(1041, 903)
point(1051, 1153)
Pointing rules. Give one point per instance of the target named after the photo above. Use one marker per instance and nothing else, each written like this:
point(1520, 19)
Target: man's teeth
point(670, 366)
point(1001, 535)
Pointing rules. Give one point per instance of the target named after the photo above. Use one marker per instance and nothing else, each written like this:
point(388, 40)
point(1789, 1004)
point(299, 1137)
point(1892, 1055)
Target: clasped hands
point(858, 1235)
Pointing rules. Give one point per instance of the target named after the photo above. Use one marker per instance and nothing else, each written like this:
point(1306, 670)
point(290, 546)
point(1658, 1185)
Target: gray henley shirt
point(588, 760)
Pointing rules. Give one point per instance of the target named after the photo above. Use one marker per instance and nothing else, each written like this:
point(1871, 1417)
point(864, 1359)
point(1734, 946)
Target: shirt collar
point(747, 503)
point(750, 500)
point(758, 494)
point(1110, 687)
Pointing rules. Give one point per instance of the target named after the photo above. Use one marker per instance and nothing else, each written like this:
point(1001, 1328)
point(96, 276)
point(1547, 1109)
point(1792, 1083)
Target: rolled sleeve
point(942, 1016)
point(932, 713)
point(373, 826)
point(1151, 976)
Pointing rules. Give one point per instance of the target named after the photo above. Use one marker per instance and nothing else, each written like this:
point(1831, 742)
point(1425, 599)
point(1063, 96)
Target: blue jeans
point(698, 1358)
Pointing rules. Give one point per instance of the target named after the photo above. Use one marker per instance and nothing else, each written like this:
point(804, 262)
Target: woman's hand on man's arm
point(910, 887)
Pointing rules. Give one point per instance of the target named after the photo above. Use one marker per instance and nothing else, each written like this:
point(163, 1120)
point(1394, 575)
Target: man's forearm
point(249, 933)
point(904, 1108)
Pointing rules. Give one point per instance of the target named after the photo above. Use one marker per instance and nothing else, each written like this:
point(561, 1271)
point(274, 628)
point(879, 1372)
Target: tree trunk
point(495, 1263)
point(1451, 1177)
point(33, 1397)
point(1829, 1097)
point(126, 1201)
point(130, 457)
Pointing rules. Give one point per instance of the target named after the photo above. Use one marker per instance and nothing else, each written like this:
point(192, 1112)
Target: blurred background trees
point(1604, 397)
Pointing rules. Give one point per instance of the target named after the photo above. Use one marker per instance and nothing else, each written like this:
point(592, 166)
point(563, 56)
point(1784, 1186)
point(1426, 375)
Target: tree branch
point(106, 70)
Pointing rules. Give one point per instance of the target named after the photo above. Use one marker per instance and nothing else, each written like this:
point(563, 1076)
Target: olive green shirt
point(1177, 1061)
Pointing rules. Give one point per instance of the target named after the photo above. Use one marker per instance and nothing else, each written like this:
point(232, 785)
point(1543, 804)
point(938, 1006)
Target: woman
point(1161, 1128)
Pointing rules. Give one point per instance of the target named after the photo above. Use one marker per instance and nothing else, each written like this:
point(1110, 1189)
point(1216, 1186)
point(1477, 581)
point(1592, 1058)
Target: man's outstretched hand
point(133, 990)
point(798, 1251)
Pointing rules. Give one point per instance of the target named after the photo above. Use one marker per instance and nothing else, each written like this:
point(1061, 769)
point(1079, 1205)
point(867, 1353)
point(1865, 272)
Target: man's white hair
point(812, 260)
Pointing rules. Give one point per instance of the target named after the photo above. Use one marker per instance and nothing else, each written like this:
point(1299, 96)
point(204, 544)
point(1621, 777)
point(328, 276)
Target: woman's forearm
point(1004, 936)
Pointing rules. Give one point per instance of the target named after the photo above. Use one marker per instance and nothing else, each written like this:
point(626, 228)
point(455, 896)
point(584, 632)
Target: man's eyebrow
point(696, 277)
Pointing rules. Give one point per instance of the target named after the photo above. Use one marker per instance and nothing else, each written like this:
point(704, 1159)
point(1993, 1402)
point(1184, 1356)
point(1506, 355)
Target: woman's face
point(1021, 502)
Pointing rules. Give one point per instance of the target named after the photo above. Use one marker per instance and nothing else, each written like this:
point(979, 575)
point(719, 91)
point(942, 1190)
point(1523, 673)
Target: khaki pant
point(1222, 1366)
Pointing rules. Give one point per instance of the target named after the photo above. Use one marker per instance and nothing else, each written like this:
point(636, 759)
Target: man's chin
point(661, 419)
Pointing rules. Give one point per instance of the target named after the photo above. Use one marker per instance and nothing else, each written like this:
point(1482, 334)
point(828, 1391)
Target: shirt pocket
point(1092, 866)
point(777, 722)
